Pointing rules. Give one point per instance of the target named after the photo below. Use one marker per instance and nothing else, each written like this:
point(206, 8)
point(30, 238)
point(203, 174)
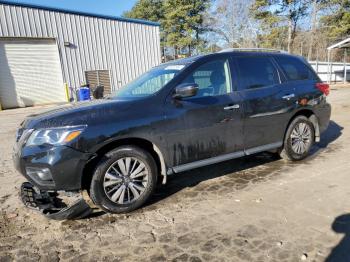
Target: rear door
point(265, 106)
point(209, 124)
point(300, 78)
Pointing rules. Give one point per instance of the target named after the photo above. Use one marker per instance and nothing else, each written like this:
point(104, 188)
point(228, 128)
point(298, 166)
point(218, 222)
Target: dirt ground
point(258, 208)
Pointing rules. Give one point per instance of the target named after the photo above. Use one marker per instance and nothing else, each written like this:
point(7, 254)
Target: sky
point(103, 7)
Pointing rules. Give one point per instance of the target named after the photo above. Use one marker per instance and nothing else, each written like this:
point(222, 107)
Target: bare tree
point(316, 8)
point(231, 22)
point(313, 27)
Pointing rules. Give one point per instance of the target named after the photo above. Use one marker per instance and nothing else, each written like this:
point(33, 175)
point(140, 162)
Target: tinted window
point(212, 78)
point(295, 69)
point(257, 72)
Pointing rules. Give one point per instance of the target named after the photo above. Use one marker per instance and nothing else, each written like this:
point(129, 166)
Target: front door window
point(212, 78)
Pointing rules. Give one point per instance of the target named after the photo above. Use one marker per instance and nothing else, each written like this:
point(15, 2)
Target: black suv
point(178, 116)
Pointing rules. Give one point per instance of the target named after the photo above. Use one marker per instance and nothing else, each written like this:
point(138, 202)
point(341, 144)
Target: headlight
point(54, 136)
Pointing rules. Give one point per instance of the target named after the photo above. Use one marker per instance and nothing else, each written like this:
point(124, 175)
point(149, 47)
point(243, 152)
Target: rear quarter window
point(295, 69)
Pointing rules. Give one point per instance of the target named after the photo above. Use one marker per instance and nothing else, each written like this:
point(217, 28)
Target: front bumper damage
point(52, 206)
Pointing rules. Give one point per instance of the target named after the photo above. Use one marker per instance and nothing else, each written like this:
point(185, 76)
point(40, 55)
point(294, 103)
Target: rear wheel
point(299, 139)
point(124, 179)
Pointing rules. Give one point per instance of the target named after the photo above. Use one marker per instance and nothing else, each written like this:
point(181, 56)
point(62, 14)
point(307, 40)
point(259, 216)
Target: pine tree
point(181, 20)
point(183, 23)
point(151, 10)
point(337, 21)
point(279, 13)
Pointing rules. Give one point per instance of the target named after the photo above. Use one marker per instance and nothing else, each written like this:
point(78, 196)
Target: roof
point(254, 49)
point(184, 61)
point(53, 9)
point(191, 59)
point(342, 44)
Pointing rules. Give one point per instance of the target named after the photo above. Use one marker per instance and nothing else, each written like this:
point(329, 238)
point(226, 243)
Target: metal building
point(43, 49)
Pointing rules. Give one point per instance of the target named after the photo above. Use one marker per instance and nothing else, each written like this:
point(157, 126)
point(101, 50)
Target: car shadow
point(234, 167)
point(341, 225)
point(333, 132)
point(191, 178)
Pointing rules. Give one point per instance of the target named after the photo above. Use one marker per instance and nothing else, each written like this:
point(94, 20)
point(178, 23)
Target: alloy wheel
point(301, 138)
point(125, 180)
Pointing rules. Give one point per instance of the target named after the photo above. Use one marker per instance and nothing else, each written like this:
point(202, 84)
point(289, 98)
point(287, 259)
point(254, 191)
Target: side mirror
point(185, 90)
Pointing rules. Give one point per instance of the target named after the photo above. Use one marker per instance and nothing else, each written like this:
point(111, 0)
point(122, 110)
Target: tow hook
point(51, 206)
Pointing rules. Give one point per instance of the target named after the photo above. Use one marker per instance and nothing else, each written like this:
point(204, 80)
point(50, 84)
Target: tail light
point(323, 87)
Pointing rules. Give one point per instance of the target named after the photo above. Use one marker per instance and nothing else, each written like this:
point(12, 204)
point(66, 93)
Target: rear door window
point(257, 72)
point(295, 69)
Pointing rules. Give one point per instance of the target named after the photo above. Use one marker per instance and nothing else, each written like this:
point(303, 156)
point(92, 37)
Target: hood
point(80, 113)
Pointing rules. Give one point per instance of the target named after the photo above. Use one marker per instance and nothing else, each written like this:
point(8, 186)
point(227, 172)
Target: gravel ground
point(257, 208)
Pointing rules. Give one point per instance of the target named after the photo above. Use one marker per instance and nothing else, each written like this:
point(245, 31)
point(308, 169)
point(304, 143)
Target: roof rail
point(252, 50)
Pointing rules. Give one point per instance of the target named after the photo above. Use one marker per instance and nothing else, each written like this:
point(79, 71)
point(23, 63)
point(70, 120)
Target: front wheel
point(123, 180)
point(298, 140)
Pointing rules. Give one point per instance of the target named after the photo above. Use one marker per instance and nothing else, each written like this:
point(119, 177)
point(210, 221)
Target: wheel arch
point(142, 143)
point(312, 117)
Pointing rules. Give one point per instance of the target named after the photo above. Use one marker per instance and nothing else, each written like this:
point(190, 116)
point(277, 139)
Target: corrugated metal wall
point(125, 48)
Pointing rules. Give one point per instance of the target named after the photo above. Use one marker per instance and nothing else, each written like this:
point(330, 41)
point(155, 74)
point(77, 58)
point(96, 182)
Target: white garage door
point(30, 73)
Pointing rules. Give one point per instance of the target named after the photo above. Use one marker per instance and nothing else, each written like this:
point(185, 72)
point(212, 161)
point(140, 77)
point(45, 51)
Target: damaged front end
point(54, 206)
point(53, 172)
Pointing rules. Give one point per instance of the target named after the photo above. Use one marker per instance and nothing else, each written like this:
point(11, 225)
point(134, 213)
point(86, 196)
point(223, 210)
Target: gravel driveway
point(258, 208)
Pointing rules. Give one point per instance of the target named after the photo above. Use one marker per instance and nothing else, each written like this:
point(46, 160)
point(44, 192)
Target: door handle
point(236, 106)
point(288, 97)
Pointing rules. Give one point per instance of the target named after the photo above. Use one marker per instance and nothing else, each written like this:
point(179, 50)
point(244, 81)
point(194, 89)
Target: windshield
point(150, 82)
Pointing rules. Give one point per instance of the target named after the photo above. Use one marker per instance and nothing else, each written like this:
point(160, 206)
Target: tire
point(292, 149)
point(114, 183)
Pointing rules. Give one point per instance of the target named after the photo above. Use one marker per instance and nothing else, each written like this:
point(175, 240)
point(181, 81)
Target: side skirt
point(218, 159)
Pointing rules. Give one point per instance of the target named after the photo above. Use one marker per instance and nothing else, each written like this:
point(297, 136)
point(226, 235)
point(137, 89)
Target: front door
point(209, 124)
